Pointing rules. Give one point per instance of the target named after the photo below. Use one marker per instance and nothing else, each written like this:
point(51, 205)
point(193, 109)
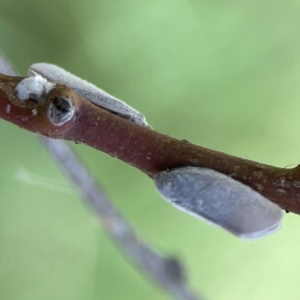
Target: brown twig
point(146, 149)
point(167, 272)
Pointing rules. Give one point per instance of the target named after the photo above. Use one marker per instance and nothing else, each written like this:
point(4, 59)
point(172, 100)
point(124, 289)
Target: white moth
point(34, 87)
point(55, 74)
point(220, 200)
point(60, 111)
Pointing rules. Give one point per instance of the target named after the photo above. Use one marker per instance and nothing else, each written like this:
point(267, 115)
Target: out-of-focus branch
point(167, 272)
point(146, 149)
point(5, 66)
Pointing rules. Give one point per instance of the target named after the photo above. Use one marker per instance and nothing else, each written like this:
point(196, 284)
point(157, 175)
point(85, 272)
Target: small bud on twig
point(220, 200)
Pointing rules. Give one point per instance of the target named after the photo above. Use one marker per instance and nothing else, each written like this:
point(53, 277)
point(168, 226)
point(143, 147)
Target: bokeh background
point(222, 74)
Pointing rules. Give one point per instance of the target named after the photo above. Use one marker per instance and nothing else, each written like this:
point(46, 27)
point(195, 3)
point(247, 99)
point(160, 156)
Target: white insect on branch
point(60, 111)
point(167, 272)
point(88, 91)
point(36, 88)
point(220, 200)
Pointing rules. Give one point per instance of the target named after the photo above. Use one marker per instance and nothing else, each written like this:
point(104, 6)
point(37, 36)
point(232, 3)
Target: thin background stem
point(167, 272)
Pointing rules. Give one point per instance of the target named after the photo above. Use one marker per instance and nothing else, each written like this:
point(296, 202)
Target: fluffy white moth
point(34, 87)
point(88, 91)
point(220, 200)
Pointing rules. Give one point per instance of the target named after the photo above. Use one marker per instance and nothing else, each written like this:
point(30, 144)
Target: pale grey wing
point(113, 104)
point(221, 200)
point(87, 90)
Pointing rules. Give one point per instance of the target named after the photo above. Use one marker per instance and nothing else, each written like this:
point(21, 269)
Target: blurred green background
point(222, 74)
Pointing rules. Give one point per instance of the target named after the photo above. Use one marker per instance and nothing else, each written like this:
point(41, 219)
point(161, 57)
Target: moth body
point(88, 91)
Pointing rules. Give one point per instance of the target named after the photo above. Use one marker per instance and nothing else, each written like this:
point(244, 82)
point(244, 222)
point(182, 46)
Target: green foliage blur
point(222, 74)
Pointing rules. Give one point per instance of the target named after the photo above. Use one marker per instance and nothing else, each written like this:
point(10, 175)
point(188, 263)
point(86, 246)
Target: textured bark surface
point(143, 148)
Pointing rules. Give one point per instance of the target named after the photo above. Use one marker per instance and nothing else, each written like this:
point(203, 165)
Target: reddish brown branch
point(146, 149)
point(167, 272)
